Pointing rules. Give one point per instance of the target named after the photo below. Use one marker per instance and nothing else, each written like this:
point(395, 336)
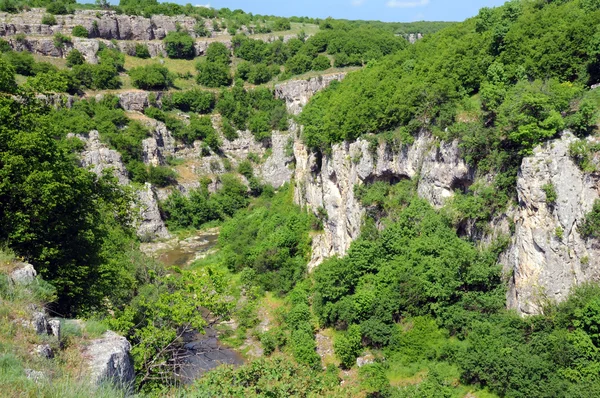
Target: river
point(199, 352)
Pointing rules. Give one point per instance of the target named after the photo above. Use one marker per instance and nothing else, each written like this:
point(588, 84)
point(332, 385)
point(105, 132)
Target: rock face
point(103, 24)
point(151, 224)
point(297, 92)
point(327, 182)
point(98, 158)
point(109, 360)
point(548, 256)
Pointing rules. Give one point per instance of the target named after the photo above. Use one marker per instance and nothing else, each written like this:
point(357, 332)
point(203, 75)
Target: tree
point(213, 74)
point(298, 64)
point(75, 58)
point(321, 62)
point(151, 77)
point(179, 45)
point(218, 52)
point(141, 51)
point(7, 77)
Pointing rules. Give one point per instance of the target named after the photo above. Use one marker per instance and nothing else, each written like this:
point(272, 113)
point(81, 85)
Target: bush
point(194, 100)
point(245, 169)
point(161, 176)
point(591, 224)
point(218, 52)
point(550, 192)
point(151, 77)
point(213, 74)
point(57, 8)
point(321, 63)
point(179, 45)
point(141, 51)
point(60, 40)
point(298, 64)
point(75, 58)
point(348, 346)
point(80, 31)
point(22, 62)
point(48, 19)
point(201, 30)
point(259, 74)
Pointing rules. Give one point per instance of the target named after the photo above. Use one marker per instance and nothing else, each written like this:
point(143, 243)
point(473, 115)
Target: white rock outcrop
point(548, 256)
point(327, 182)
point(23, 274)
point(108, 359)
point(296, 93)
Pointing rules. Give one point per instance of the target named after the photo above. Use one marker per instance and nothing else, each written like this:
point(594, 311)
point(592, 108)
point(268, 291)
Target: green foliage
point(202, 207)
point(7, 77)
point(255, 109)
point(218, 52)
point(151, 77)
point(582, 153)
point(179, 45)
point(49, 19)
point(194, 100)
point(277, 376)
point(348, 346)
point(80, 31)
point(321, 63)
point(590, 228)
point(271, 238)
point(550, 192)
point(162, 312)
point(60, 40)
point(75, 58)
point(141, 51)
point(54, 212)
point(413, 267)
point(213, 74)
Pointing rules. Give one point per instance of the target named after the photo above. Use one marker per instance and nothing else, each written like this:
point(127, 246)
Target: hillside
point(323, 207)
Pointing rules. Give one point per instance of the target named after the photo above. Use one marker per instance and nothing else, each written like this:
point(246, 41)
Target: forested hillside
point(370, 238)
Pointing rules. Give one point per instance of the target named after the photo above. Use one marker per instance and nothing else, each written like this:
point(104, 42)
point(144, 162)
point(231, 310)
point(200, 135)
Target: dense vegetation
point(501, 83)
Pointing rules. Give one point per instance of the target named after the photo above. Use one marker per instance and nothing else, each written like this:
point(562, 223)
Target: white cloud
point(357, 3)
point(203, 5)
point(406, 4)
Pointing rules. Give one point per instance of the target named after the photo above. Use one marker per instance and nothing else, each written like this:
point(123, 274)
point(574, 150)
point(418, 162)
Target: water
point(199, 352)
point(190, 249)
point(203, 352)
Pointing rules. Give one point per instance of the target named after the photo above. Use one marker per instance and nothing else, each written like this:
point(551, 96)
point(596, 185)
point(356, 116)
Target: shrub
point(22, 62)
point(213, 74)
point(259, 74)
point(57, 7)
point(245, 169)
point(321, 63)
point(194, 100)
point(348, 346)
point(161, 176)
point(151, 77)
point(80, 31)
point(141, 51)
point(218, 52)
point(591, 224)
point(201, 30)
point(179, 45)
point(60, 40)
point(298, 64)
point(550, 192)
point(48, 19)
point(75, 58)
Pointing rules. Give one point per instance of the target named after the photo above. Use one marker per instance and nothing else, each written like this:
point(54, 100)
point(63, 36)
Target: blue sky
point(383, 10)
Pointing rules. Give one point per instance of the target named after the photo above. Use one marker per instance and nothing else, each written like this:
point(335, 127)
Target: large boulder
point(24, 274)
point(109, 360)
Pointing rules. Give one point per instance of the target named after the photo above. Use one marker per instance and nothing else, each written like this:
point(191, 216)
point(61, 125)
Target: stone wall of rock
point(102, 24)
point(98, 157)
point(548, 256)
point(327, 182)
point(296, 93)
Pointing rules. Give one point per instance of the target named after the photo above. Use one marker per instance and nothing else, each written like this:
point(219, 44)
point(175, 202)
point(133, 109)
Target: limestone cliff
point(548, 256)
point(327, 182)
point(98, 158)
